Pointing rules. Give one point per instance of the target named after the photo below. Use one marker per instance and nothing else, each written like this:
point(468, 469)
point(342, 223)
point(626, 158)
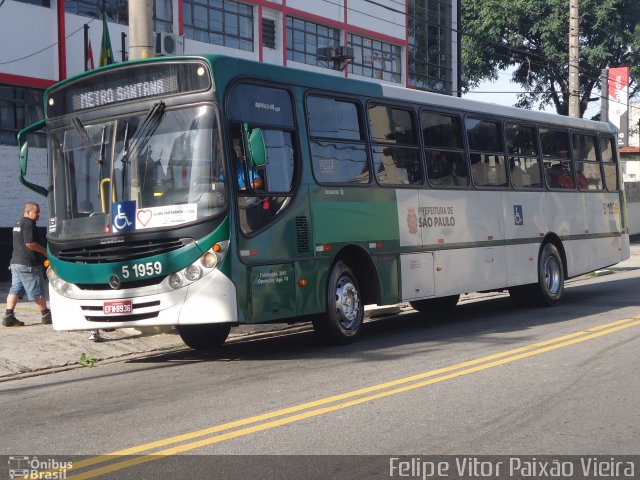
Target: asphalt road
point(489, 379)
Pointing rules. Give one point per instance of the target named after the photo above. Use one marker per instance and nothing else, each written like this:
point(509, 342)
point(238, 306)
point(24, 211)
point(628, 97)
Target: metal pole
point(574, 59)
point(86, 46)
point(123, 45)
point(604, 95)
point(140, 29)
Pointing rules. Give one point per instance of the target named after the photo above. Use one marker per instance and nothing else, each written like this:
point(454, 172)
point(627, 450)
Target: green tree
point(532, 37)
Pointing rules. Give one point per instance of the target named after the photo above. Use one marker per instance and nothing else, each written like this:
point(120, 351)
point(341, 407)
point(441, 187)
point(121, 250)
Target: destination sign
point(121, 93)
point(127, 83)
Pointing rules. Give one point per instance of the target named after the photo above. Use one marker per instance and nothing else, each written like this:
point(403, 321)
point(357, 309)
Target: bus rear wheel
point(345, 311)
point(550, 287)
point(435, 305)
point(204, 337)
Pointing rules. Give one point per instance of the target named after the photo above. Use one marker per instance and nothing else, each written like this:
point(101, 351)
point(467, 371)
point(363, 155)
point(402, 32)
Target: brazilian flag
point(106, 53)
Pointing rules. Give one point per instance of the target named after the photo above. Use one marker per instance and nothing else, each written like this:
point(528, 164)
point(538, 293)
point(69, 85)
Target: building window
point(430, 45)
point(269, 33)
point(162, 16)
point(305, 38)
point(116, 11)
point(221, 22)
point(19, 107)
point(375, 59)
point(41, 3)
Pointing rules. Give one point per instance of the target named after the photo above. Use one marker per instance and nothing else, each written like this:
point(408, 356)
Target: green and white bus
point(205, 192)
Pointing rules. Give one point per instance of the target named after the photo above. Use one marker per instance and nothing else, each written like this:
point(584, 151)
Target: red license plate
point(119, 307)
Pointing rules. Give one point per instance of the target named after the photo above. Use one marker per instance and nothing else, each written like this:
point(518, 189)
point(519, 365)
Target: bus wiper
point(141, 136)
point(84, 136)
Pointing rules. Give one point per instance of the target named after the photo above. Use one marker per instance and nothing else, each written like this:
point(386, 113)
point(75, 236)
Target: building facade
point(413, 43)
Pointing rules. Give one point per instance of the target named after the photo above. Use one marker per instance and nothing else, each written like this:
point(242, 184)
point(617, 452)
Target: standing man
point(26, 267)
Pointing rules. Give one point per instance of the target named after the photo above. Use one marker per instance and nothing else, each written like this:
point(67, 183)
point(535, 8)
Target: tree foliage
point(532, 38)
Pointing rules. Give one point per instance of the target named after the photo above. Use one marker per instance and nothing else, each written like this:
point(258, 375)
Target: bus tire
point(343, 320)
point(550, 287)
point(204, 337)
point(550, 276)
point(435, 305)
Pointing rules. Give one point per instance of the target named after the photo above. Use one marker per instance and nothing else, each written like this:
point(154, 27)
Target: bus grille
point(302, 234)
point(122, 251)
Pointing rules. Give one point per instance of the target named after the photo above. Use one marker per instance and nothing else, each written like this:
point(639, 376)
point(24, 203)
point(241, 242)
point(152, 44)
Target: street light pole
point(574, 59)
point(141, 29)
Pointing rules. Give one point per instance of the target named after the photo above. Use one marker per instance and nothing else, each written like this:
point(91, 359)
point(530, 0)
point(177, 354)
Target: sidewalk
point(37, 349)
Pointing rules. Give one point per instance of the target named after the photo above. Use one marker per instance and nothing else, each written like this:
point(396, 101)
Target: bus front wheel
point(204, 337)
point(345, 311)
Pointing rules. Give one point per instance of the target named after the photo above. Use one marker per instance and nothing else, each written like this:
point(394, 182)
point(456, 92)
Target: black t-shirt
point(25, 231)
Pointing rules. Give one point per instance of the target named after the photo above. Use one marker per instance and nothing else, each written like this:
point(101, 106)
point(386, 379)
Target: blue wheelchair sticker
point(124, 216)
point(517, 214)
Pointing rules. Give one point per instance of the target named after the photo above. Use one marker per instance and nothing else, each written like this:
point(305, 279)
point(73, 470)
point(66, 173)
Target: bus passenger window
point(488, 165)
point(338, 150)
point(524, 161)
point(396, 157)
point(609, 165)
point(558, 170)
point(588, 172)
point(444, 150)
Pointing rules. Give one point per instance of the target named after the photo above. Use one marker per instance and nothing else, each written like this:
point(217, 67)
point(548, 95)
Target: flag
point(89, 65)
point(106, 54)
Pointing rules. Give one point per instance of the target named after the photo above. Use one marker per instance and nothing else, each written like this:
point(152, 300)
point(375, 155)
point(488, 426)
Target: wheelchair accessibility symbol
point(517, 214)
point(124, 216)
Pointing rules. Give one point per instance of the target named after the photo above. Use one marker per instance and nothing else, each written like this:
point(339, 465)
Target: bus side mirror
point(256, 151)
point(23, 156)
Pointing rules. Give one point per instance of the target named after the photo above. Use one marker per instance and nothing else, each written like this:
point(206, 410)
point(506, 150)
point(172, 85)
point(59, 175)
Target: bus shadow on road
point(494, 321)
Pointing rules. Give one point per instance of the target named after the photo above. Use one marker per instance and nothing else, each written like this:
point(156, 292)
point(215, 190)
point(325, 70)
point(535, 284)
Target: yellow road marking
point(348, 399)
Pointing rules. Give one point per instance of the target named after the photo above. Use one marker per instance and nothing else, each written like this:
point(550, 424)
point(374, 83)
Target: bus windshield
point(165, 164)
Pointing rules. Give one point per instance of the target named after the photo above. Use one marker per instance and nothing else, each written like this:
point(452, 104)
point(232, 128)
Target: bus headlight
point(59, 285)
point(198, 269)
point(193, 272)
point(175, 281)
point(209, 260)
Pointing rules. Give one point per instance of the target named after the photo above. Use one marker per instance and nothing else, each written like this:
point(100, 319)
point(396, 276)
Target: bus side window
point(396, 157)
point(558, 170)
point(609, 165)
point(524, 158)
point(488, 163)
point(444, 150)
point(338, 149)
point(588, 173)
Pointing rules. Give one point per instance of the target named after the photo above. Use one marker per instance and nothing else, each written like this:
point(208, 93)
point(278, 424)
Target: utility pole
point(141, 29)
point(574, 59)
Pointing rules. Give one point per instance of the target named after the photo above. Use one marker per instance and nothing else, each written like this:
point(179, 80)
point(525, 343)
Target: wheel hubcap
point(552, 275)
point(347, 303)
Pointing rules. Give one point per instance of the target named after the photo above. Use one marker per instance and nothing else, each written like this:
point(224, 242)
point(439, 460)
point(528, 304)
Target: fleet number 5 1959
point(140, 270)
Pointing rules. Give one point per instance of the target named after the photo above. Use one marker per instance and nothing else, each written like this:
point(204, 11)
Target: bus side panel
point(311, 299)
point(272, 292)
point(388, 277)
point(605, 227)
point(567, 216)
point(469, 270)
point(524, 220)
point(416, 271)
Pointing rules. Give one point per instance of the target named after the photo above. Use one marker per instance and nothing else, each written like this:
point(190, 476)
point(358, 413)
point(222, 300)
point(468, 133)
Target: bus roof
point(226, 69)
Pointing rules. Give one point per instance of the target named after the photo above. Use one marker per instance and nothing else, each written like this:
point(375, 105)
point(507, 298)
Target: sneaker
point(11, 321)
point(94, 336)
point(46, 318)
